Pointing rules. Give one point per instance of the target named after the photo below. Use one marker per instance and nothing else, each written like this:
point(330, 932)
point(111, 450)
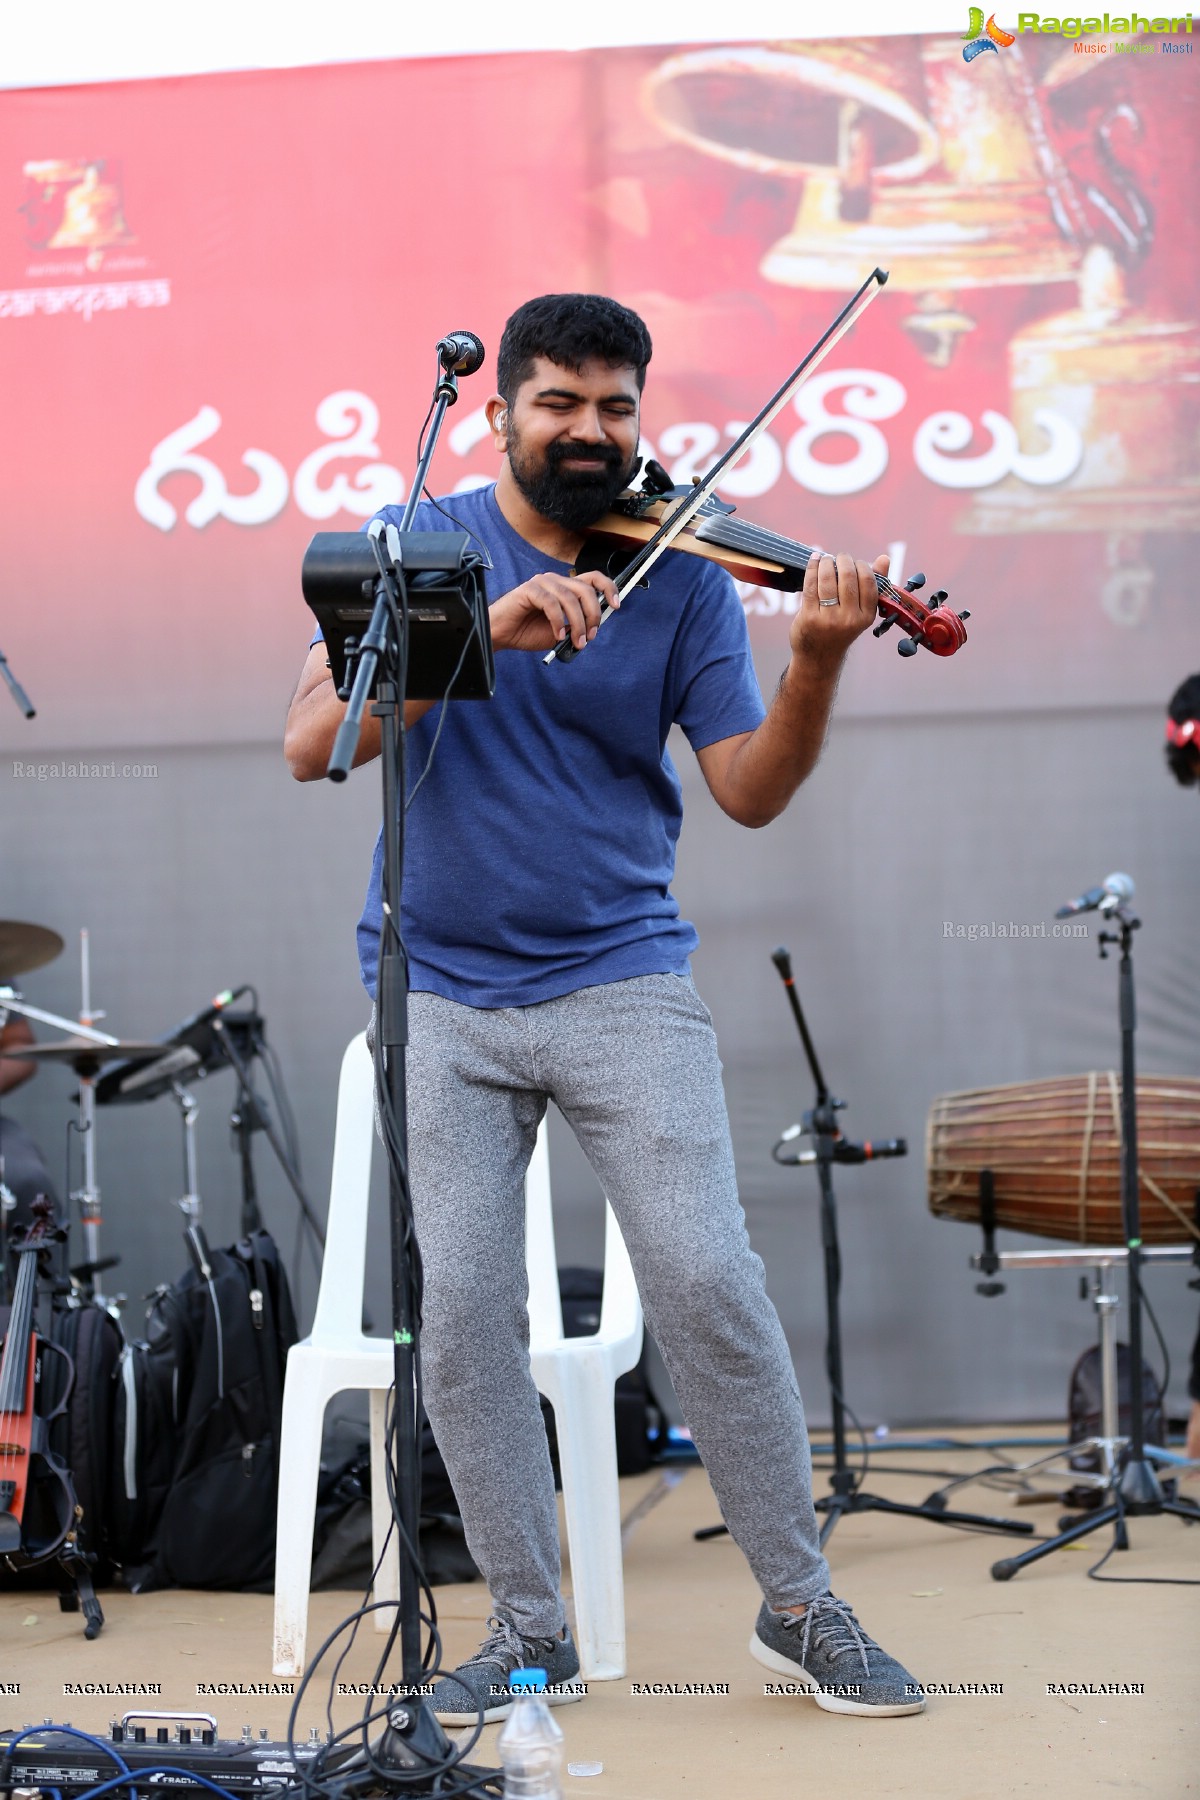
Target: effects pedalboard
point(47, 1757)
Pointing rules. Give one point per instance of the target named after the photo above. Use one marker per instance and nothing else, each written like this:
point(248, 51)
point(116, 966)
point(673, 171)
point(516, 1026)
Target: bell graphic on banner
point(1128, 377)
point(1130, 380)
point(942, 173)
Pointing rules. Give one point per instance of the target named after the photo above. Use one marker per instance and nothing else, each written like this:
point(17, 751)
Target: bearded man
point(547, 961)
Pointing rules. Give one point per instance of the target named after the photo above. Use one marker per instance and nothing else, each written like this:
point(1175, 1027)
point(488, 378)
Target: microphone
point(843, 1150)
point(461, 353)
point(1113, 891)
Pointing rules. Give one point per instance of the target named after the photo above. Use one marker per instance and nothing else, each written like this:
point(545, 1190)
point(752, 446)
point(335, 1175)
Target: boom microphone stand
point(1136, 1488)
point(831, 1147)
point(414, 1753)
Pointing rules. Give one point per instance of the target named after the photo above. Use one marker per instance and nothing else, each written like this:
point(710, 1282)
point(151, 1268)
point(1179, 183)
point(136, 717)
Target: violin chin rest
point(10, 1534)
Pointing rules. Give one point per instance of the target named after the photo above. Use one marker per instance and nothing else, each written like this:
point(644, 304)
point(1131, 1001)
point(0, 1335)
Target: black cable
point(444, 703)
point(861, 1477)
point(447, 514)
point(1162, 1344)
point(1133, 1580)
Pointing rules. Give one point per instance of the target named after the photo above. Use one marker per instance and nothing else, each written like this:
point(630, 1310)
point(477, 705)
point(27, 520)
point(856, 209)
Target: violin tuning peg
point(908, 646)
point(884, 625)
point(964, 614)
point(914, 582)
point(936, 599)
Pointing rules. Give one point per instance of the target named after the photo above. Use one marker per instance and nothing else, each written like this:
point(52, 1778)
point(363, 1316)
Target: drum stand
point(1101, 1260)
point(1134, 1485)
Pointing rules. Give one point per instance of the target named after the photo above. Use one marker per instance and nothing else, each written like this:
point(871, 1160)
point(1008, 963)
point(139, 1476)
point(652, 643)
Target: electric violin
point(644, 523)
point(751, 553)
point(39, 1513)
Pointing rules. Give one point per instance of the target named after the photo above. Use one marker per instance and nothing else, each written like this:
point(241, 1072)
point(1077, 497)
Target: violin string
point(739, 534)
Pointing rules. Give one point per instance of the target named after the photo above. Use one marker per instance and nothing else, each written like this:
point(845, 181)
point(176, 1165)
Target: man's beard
point(572, 498)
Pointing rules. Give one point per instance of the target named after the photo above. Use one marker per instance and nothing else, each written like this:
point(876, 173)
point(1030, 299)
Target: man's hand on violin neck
point(549, 610)
point(838, 603)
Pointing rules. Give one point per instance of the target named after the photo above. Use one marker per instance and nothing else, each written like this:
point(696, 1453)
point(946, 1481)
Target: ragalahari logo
point(983, 37)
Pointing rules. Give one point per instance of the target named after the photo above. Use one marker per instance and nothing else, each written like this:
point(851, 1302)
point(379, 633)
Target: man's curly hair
point(570, 329)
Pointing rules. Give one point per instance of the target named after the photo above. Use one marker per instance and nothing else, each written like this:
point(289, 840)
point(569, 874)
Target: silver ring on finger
point(833, 602)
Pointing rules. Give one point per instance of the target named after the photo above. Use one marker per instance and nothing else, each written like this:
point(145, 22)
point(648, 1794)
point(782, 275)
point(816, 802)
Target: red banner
point(219, 298)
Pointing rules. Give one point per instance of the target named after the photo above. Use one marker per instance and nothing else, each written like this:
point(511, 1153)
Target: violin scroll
point(934, 625)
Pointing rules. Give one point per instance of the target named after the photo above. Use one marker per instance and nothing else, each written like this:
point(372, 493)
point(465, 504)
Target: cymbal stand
point(1135, 1486)
point(189, 1204)
point(88, 1196)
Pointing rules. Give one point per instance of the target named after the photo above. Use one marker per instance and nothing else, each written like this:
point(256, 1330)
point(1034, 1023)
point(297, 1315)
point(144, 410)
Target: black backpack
point(144, 1442)
point(82, 1436)
point(1085, 1417)
point(198, 1417)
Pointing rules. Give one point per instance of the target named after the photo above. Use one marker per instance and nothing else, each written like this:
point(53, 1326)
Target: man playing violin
point(548, 961)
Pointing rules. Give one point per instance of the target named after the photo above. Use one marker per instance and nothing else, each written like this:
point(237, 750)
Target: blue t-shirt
point(539, 852)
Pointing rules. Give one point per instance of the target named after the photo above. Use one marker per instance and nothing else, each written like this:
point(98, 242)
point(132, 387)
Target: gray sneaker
point(479, 1687)
point(826, 1653)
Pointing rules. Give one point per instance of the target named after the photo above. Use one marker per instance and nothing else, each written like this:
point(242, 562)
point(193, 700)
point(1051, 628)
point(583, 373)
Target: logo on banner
point(983, 37)
point(78, 236)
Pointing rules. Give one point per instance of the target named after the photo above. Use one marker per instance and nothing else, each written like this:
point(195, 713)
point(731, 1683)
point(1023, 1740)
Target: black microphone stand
point(831, 1147)
point(414, 1755)
point(1136, 1488)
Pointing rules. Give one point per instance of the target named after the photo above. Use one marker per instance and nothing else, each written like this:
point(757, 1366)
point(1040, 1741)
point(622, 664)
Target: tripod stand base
point(1116, 1513)
point(850, 1500)
point(837, 1505)
point(415, 1742)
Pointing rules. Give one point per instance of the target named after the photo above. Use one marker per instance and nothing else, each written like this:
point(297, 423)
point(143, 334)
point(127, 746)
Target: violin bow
point(686, 509)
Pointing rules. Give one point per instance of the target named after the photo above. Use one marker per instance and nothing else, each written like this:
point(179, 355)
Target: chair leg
point(305, 1398)
point(581, 1392)
point(384, 1541)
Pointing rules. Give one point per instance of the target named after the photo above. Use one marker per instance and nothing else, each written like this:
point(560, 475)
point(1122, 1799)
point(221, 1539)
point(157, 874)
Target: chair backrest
point(338, 1317)
point(541, 1262)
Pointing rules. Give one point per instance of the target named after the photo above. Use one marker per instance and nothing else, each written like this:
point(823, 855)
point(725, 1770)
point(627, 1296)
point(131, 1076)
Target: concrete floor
point(923, 1590)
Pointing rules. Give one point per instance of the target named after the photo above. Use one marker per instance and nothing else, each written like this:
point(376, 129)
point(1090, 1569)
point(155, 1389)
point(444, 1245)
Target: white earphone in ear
point(502, 419)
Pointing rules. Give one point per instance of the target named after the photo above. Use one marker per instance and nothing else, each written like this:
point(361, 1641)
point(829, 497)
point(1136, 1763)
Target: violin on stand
point(39, 1513)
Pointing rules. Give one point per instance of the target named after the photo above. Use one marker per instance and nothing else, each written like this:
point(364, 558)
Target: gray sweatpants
point(633, 1067)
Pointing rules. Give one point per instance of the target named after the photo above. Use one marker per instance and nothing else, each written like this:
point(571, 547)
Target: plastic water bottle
point(531, 1752)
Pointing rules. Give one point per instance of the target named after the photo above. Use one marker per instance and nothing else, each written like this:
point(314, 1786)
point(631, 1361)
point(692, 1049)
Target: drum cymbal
point(85, 1057)
point(24, 947)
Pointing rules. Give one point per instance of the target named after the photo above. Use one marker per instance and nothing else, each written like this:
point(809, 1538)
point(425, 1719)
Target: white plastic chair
point(577, 1375)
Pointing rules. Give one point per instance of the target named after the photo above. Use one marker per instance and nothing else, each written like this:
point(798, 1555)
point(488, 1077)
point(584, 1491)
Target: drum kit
point(135, 1070)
